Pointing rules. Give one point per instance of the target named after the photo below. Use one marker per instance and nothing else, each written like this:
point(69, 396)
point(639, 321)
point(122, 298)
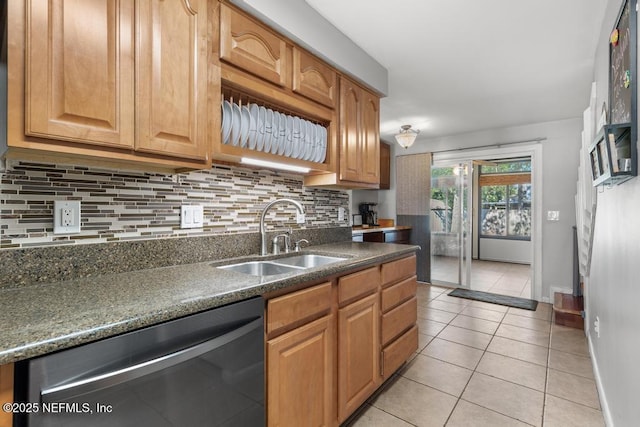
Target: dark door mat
point(524, 303)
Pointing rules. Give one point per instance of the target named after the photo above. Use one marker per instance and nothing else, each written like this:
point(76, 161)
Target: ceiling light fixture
point(273, 165)
point(407, 136)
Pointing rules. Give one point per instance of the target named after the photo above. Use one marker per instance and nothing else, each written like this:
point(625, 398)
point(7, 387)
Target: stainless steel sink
point(261, 268)
point(309, 260)
point(289, 264)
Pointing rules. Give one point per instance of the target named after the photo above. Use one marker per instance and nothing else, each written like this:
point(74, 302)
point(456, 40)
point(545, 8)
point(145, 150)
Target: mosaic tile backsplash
point(125, 206)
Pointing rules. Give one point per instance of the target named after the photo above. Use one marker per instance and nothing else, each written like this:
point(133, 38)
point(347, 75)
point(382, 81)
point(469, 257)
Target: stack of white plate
point(262, 129)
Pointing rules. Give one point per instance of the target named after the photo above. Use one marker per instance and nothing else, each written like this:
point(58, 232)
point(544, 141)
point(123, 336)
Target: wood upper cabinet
point(300, 381)
point(358, 354)
point(171, 79)
point(350, 130)
point(253, 47)
point(385, 166)
point(110, 83)
point(359, 138)
point(314, 78)
point(370, 145)
point(79, 76)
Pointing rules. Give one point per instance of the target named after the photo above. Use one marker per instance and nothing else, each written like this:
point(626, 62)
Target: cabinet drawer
point(253, 47)
point(356, 285)
point(298, 307)
point(398, 236)
point(396, 353)
point(314, 79)
point(398, 270)
point(398, 293)
point(399, 320)
point(376, 236)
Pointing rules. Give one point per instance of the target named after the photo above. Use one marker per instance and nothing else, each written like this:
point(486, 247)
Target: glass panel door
point(450, 223)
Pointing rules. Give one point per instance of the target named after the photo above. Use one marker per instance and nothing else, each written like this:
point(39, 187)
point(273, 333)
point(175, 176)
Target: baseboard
point(606, 413)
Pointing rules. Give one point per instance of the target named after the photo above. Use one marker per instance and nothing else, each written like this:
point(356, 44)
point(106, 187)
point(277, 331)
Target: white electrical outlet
point(300, 218)
point(66, 216)
point(191, 216)
point(340, 214)
point(596, 326)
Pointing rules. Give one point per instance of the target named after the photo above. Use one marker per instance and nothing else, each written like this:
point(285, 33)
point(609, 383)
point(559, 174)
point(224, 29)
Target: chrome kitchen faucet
point(263, 232)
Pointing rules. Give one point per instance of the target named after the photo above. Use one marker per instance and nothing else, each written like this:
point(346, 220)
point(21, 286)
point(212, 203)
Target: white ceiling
point(466, 65)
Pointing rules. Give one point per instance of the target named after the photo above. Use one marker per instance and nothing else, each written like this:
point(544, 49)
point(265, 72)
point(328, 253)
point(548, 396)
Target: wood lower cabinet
point(399, 332)
point(358, 354)
point(6, 393)
point(300, 381)
point(332, 344)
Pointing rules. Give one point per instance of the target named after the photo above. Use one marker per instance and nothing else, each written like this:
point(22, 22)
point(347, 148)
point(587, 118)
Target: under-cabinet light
point(274, 165)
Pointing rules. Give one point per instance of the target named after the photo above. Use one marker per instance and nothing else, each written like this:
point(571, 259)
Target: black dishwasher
point(205, 369)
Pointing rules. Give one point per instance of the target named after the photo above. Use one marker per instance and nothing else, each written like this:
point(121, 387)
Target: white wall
point(386, 199)
point(613, 283)
point(560, 173)
point(301, 23)
point(503, 250)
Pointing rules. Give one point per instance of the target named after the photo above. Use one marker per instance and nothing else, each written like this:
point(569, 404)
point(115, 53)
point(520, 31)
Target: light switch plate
point(553, 215)
point(340, 214)
point(191, 216)
point(66, 216)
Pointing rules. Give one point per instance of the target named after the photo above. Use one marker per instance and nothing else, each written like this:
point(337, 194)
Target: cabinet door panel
point(172, 78)
point(314, 79)
point(385, 166)
point(79, 71)
point(252, 47)
point(370, 144)
point(301, 372)
point(351, 131)
point(358, 354)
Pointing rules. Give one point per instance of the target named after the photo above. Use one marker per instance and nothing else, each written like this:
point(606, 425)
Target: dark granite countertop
point(42, 318)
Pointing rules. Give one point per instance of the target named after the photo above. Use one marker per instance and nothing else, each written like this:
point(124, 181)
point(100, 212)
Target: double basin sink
point(289, 264)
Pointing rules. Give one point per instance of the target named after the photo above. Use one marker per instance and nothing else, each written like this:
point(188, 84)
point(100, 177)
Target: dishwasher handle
point(98, 382)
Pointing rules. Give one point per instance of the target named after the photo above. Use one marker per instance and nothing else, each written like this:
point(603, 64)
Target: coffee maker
point(369, 214)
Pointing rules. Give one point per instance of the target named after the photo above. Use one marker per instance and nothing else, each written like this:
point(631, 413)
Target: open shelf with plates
point(263, 123)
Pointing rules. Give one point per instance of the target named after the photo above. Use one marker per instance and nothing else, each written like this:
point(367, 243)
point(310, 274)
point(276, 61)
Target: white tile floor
point(488, 276)
point(481, 364)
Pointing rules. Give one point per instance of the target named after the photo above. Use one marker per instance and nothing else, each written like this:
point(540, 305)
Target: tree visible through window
point(505, 197)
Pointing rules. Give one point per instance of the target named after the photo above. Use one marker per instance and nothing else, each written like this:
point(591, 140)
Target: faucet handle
point(276, 244)
point(297, 244)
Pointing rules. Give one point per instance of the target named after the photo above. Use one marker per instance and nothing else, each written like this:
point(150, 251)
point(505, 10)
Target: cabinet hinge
point(381, 364)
